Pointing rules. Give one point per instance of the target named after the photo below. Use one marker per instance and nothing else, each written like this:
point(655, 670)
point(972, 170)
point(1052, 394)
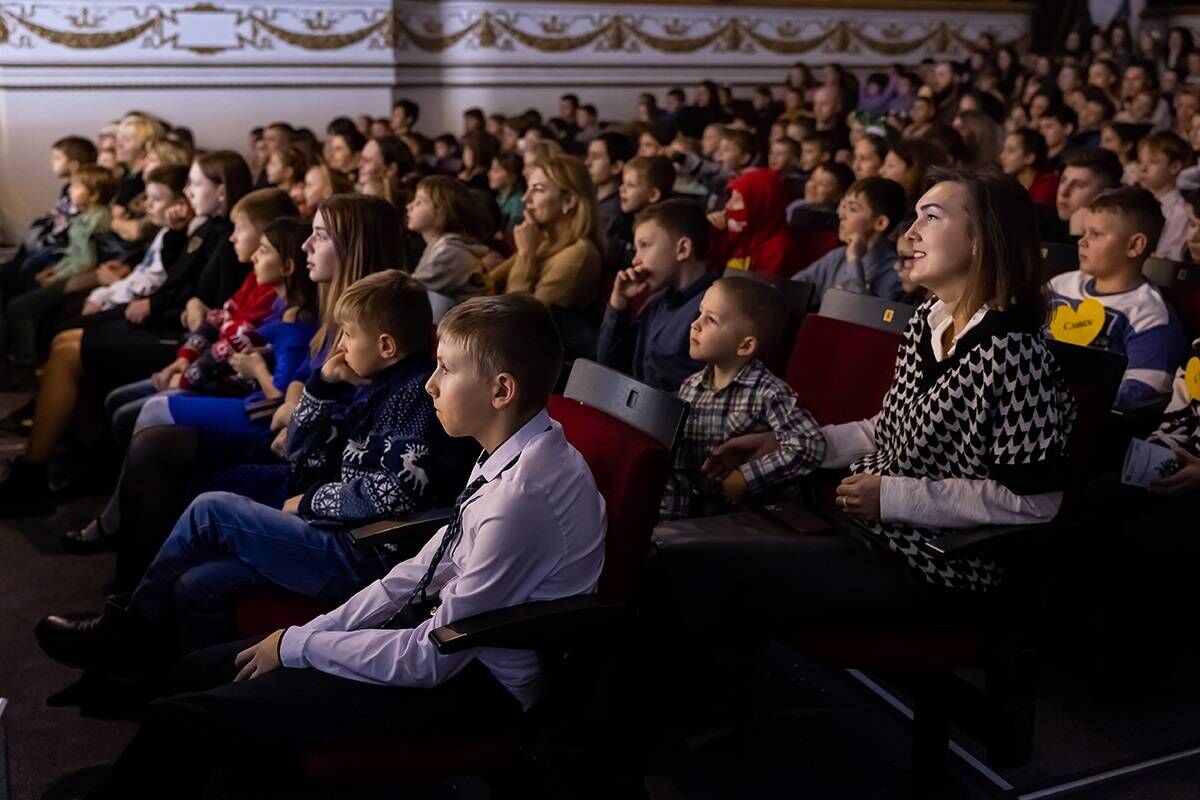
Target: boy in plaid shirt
point(736, 394)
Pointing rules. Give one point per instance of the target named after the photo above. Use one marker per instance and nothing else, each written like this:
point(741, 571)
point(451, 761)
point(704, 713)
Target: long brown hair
point(365, 232)
point(227, 168)
point(1007, 269)
point(571, 177)
point(455, 208)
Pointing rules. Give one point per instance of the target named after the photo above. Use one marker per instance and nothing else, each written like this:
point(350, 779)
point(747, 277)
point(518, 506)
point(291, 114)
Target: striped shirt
point(753, 402)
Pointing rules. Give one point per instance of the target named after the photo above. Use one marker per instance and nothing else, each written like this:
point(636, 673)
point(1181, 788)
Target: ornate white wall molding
point(43, 44)
point(480, 32)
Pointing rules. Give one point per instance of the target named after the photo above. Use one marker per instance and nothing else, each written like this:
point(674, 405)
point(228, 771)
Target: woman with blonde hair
point(135, 135)
point(559, 245)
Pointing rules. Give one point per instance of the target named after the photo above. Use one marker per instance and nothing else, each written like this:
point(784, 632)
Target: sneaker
point(25, 492)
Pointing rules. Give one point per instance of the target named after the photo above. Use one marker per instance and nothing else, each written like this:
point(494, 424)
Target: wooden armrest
point(410, 528)
point(529, 626)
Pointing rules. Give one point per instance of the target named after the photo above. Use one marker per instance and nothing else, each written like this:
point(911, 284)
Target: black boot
point(113, 641)
point(25, 493)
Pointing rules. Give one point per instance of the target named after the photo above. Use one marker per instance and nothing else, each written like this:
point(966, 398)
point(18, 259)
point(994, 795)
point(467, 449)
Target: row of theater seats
point(840, 362)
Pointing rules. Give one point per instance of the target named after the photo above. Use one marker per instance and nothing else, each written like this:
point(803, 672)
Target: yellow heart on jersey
point(1078, 325)
point(1191, 377)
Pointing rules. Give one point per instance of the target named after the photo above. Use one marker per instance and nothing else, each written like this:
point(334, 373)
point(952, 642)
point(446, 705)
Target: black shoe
point(89, 641)
point(91, 538)
point(25, 493)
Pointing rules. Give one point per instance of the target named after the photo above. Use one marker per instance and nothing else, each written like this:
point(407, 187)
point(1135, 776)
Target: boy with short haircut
point(644, 182)
point(91, 189)
point(606, 157)
point(739, 319)
point(1056, 126)
point(1086, 173)
point(867, 215)
point(363, 443)
point(1108, 304)
point(669, 267)
point(815, 149)
point(530, 525)
point(736, 152)
point(1161, 157)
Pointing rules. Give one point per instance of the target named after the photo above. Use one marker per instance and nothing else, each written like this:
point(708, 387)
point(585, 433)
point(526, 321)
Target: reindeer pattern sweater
point(376, 451)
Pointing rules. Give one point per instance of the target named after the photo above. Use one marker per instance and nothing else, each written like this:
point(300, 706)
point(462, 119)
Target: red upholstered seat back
point(630, 470)
point(841, 371)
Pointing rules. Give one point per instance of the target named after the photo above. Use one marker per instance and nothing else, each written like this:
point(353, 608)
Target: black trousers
point(208, 726)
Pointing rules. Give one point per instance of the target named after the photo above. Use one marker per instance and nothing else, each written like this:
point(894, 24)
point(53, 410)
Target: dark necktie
point(418, 601)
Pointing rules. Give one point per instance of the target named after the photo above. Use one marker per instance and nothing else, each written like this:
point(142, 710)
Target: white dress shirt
point(534, 532)
point(947, 503)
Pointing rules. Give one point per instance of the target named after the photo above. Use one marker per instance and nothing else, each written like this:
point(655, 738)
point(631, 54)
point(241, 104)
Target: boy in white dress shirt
point(532, 528)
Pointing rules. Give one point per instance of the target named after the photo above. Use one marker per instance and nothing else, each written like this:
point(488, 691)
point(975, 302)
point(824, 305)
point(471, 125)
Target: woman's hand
point(717, 219)
point(258, 660)
point(737, 451)
point(1184, 480)
point(45, 277)
point(528, 235)
point(279, 443)
point(858, 497)
point(89, 309)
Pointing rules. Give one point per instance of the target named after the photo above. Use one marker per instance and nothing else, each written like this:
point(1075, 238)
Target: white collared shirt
point(534, 532)
point(948, 503)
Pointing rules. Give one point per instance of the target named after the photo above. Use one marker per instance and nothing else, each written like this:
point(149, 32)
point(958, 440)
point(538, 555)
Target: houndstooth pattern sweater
point(993, 409)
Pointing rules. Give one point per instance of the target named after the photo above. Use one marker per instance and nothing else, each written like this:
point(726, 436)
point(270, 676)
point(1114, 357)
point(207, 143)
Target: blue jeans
point(224, 544)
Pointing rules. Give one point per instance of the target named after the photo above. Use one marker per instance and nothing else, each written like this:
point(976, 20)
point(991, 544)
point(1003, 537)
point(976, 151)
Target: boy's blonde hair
point(168, 152)
point(762, 306)
point(99, 181)
point(263, 206)
point(391, 302)
point(511, 333)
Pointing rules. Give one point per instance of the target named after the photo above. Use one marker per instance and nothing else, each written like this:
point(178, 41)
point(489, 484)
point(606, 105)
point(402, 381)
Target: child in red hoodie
point(752, 228)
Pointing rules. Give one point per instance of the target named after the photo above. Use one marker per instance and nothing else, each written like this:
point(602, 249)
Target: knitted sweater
point(994, 409)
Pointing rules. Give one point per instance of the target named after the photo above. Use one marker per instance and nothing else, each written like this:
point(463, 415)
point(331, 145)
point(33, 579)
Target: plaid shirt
point(753, 402)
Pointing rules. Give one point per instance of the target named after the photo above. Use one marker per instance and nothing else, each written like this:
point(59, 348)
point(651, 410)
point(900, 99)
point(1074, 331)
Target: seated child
point(822, 193)
point(644, 182)
point(220, 332)
point(91, 189)
point(669, 267)
point(869, 212)
point(784, 158)
point(751, 232)
point(529, 526)
point(736, 394)
point(1107, 303)
point(165, 207)
point(364, 445)
point(454, 226)
point(46, 238)
point(1161, 157)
